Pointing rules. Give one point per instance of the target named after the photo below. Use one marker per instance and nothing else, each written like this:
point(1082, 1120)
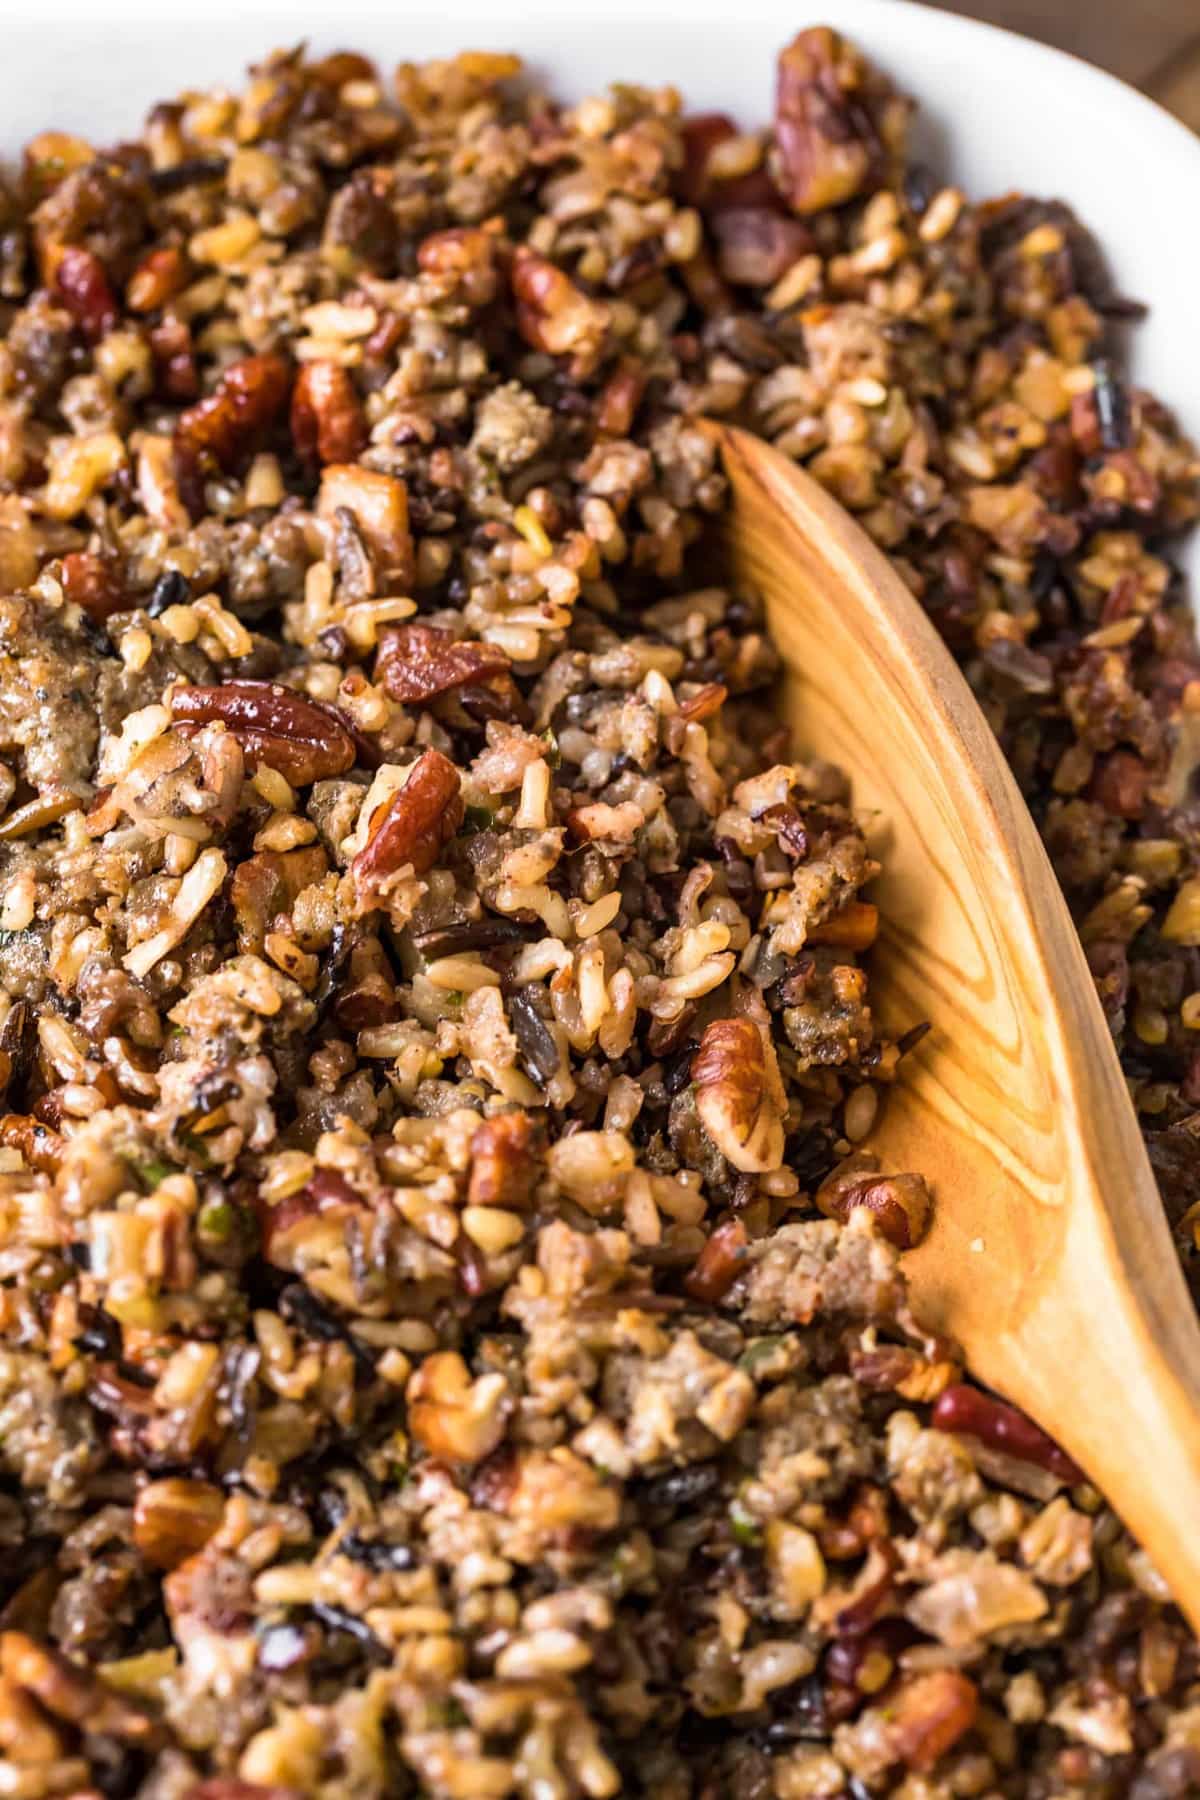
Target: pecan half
point(83, 287)
point(327, 420)
point(304, 740)
point(380, 507)
point(928, 1714)
point(173, 1519)
point(900, 1204)
point(416, 824)
point(503, 1166)
point(739, 1094)
point(554, 315)
point(453, 1416)
point(827, 141)
point(965, 1410)
point(218, 431)
point(417, 662)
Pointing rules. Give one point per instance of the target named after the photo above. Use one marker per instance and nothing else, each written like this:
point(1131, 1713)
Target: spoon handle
point(1049, 1259)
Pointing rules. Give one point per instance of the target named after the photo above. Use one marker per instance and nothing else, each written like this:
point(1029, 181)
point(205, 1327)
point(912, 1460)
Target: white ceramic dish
point(998, 111)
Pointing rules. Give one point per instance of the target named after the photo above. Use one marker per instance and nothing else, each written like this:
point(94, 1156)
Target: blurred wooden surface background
point(1155, 44)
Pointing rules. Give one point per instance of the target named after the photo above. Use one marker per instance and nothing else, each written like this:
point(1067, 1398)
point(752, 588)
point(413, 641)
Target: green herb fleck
point(553, 753)
point(745, 1528)
point(152, 1172)
point(217, 1220)
point(478, 818)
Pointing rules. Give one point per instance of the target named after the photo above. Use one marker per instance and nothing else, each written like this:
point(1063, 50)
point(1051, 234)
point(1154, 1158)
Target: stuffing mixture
point(451, 1341)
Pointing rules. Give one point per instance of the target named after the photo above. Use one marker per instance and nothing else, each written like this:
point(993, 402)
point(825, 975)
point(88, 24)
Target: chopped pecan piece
point(453, 1416)
point(900, 1204)
point(418, 821)
point(465, 256)
point(328, 1193)
point(41, 1147)
point(703, 704)
point(718, 1265)
point(83, 287)
point(965, 1410)
point(220, 430)
point(620, 399)
point(157, 279)
point(70, 1693)
point(173, 1519)
point(503, 1166)
point(379, 504)
point(756, 244)
point(554, 315)
point(174, 358)
point(266, 885)
point(701, 133)
point(418, 662)
point(95, 583)
point(855, 927)
point(928, 1714)
point(827, 139)
point(303, 739)
point(327, 420)
point(739, 1094)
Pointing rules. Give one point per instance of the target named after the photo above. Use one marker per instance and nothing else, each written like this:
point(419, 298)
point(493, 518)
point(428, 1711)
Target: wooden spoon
point(1049, 1258)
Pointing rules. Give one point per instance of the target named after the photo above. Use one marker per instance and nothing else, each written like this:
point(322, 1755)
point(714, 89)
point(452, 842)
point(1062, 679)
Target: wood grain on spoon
point(1049, 1258)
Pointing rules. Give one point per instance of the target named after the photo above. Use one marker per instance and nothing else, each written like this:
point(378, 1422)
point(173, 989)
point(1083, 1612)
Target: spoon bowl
point(1049, 1258)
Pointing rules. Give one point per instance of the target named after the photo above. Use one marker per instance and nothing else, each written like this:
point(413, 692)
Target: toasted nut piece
point(900, 1203)
point(832, 117)
point(380, 507)
point(554, 315)
point(83, 287)
point(465, 256)
point(719, 1264)
point(855, 927)
point(94, 583)
point(453, 1416)
point(327, 420)
point(70, 1693)
point(223, 427)
point(739, 1094)
point(927, 1716)
point(502, 1162)
point(304, 740)
point(796, 1567)
point(158, 278)
point(418, 822)
point(417, 662)
point(173, 1519)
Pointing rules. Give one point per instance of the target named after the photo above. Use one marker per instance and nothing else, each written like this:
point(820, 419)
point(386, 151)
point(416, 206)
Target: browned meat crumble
point(451, 1334)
